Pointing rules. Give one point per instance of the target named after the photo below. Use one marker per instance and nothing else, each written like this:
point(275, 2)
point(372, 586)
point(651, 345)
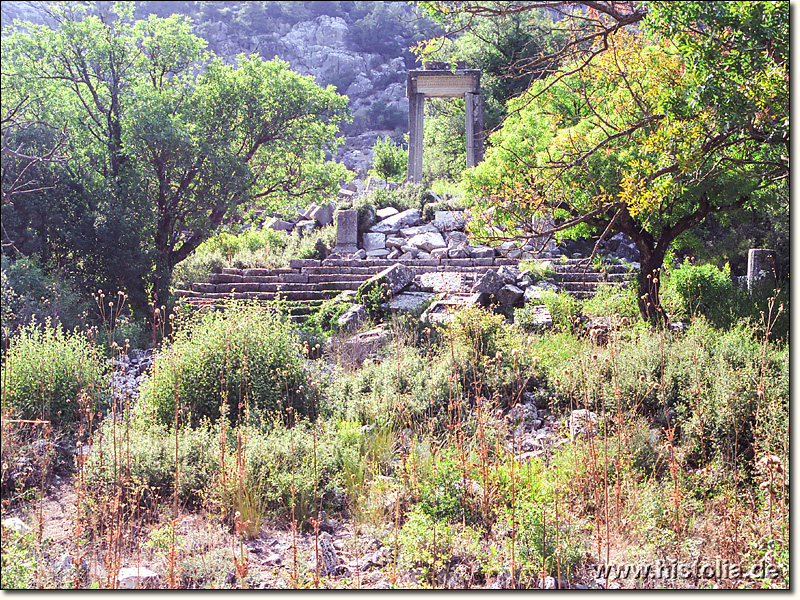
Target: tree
point(644, 138)
point(598, 151)
point(168, 141)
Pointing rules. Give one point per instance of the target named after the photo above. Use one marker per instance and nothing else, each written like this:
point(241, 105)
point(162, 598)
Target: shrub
point(149, 463)
point(611, 300)
point(45, 372)
point(703, 290)
point(389, 161)
point(30, 293)
point(223, 360)
point(562, 306)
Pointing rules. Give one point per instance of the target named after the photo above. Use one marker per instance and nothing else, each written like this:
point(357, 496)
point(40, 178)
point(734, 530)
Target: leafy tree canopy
point(165, 140)
point(642, 136)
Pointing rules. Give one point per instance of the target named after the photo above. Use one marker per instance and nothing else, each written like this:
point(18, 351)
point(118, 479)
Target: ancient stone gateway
point(436, 80)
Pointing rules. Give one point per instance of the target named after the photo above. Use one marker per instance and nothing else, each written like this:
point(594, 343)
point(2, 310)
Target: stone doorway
point(436, 80)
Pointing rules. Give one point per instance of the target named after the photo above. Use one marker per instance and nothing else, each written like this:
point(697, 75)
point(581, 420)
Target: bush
point(703, 290)
point(246, 354)
point(562, 306)
point(612, 300)
point(29, 294)
point(389, 161)
point(46, 371)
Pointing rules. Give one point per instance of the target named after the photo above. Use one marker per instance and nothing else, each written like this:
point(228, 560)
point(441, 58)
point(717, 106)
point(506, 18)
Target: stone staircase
point(305, 284)
point(583, 283)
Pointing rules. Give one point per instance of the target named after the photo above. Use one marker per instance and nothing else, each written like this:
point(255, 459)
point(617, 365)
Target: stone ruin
point(436, 80)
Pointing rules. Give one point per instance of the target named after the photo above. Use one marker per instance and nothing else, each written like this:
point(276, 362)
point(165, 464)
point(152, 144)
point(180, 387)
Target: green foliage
point(47, 371)
point(430, 209)
point(704, 290)
point(29, 294)
point(612, 300)
point(537, 269)
point(389, 161)
point(20, 559)
point(223, 363)
point(562, 306)
point(157, 163)
point(424, 542)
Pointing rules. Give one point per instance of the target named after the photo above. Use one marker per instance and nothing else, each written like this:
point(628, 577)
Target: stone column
point(760, 268)
point(474, 126)
point(416, 116)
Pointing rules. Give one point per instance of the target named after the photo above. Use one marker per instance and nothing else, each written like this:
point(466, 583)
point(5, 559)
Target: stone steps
point(308, 282)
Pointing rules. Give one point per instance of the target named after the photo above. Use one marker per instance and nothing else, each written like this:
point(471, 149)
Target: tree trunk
point(649, 283)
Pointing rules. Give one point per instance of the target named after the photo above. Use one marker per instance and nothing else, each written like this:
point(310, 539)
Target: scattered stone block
point(489, 283)
point(396, 278)
point(541, 316)
point(442, 311)
point(481, 252)
point(509, 294)
point(439, 253)
point(323, 214)
point(458, 252)
point(410, 232)
point(346, 232)
point(428, 241)
point(138, 578)
point(379, 253)
point(395, 223)
point(413, 251)
point(394, 254)
point(360, 254)
point(385, 213)
point(442, 282)
point(374, 241)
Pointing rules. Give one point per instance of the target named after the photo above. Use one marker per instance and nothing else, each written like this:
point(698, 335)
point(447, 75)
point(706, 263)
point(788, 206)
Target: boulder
point(481, 252)
point(489, 283)
point(16, 524)
point(509, 294)
point(385, 213)
point(448, 220)
point(352, 319)
point(457, 238)
point(393, 224)
point(138, 578)
point(508, 274)
point(428, 241)
point(439, 253)
point(509, 250)
point(279, 225)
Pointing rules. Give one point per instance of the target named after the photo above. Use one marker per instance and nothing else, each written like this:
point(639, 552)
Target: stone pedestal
point(346, 232)
point(760, 268)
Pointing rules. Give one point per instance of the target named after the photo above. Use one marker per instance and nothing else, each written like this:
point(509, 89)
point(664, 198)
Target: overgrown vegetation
point(482, 452)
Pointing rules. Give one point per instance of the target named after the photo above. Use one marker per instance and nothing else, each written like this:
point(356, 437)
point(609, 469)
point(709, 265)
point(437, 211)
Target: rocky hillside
point(362, 48)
